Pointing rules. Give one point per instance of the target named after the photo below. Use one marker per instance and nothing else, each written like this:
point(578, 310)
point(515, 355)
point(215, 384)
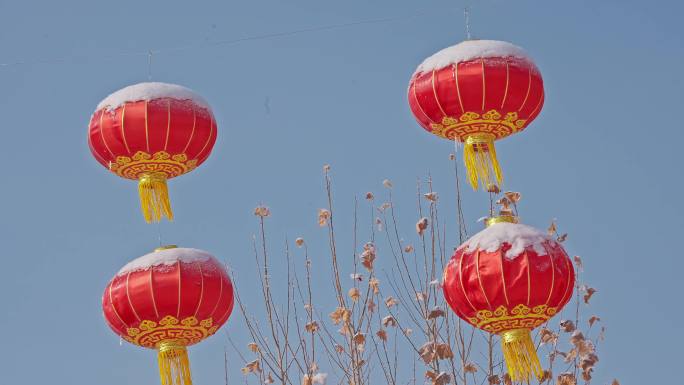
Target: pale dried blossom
point(299, 242)
point(371, 306)
point(269, 379)
point(253, 347)
point(470, 368)
point(340, 314)
point(374, 283)
point(356, 277)
point(452, 156)
point(262, 211)
point(420, 296)
point(408, 249)
point(561, 238)
point(354, 293)
point(326, 167)
point(387, 183)
point(390, 301)
point(407, 332)
point(384, 206)
point(323, 217)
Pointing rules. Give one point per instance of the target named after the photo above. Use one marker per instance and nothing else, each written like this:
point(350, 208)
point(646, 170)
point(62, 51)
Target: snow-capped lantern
point(476, 92)
point(168, 300)
point(152, 132)
point(507, 280)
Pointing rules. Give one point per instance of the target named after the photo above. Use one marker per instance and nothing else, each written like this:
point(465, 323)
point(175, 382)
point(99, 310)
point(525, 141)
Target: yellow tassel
point(520, 355)
point(480, 160)
point(154, 198)
point(174, 365)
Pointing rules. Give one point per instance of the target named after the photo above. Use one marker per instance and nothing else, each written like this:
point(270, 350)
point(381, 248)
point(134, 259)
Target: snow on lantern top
point(166, 257)
point(151, 91)
point(517, 235)
point(470, 50)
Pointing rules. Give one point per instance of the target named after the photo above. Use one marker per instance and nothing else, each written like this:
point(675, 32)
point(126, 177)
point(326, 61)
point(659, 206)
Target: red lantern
point(152, 132)
point(477, 92)
point(168, 300)
point(507, 280)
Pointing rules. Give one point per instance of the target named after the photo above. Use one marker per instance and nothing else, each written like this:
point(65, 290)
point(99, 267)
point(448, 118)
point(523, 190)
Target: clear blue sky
point(603, 156)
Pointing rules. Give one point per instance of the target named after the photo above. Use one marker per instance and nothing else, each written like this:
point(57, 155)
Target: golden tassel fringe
point(480, 160)
point(154, 198)
point(520, 355)
point(174, 365)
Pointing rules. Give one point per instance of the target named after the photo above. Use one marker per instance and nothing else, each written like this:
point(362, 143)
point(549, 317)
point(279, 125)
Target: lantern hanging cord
point(149, 65)
point(466, 17)
point(266, 36)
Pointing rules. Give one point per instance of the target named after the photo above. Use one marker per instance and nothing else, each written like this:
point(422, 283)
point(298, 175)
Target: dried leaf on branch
point(370, 196)
point(390, 301)
point(593, 320)
point(421, 225)
point(368, 256)
point(389, 321)
point(312, 327)
point(253, 347)
point(436, 312)
point(567, 326)
point(588, 292)
point(431, 196)
point(513, 196)
point(323, 217)
point(252, 367)
point(299, 242)
point(566, 379)
point(262, 211)
point(438, 379)
point(382, 334)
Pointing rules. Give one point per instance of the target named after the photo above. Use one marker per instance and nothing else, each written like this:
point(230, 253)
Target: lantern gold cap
point(165, 247)
point(501, 219)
